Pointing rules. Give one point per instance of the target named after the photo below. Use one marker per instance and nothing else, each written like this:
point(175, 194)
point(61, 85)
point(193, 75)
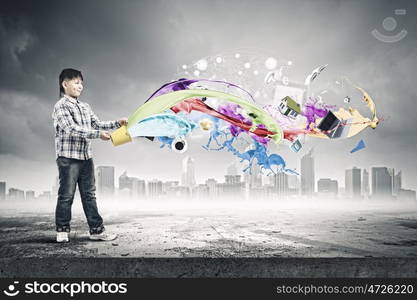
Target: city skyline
point(17, 182)
point(384, 183)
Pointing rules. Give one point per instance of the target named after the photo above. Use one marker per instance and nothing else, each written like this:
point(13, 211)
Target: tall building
point(353, 184)
point(138, 188)
point(327, 187)
point(391, 172)
point(188, 175)
point(230, 190)
point(154, 188)
point(30, 195)
point(232, 176)
point(2, 190)
point(16, 194)
point(168, 186)
point(293, 184)
point(173, 190)
point(279, 184)
point(125, 182)
point(178, 192)
point(135, 187)
point(232, 179)
point(212, 187)
point(201, 191)
point(381, 183)
point(253, 177)
point(233, 187)
point(307, 174)
point(365, 183)
point(397, 184)
point(105, 180)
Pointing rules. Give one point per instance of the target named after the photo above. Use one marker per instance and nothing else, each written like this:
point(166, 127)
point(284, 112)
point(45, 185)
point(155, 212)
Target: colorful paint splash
point(313, 110)
point(273, 163)
point(179, 107)
point(361, 145)
point(162, 125)
point(184, 83)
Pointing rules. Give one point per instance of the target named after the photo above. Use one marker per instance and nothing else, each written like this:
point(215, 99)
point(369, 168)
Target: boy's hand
point(104, 135)
point(122, 121)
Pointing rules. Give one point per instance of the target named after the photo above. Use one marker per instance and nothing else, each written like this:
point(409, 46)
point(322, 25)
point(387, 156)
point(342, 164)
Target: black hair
point(68, 74)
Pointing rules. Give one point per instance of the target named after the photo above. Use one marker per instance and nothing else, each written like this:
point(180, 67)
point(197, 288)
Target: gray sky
point(127, 49)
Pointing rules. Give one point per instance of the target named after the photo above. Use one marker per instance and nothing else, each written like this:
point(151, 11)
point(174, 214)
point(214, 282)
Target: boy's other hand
point(122, 121)
point(104, 135)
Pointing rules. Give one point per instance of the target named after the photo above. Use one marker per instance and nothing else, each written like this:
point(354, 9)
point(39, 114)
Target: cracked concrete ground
point(219, 230)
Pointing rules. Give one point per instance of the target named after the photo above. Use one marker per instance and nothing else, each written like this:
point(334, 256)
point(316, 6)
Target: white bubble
point(289, 62)
point(247, 65)
point(271, 63)
point(237, 55)
point(255, 72)
point(219, 59)
point(196, 72)
point(184, 67)
point(202, 64)
point(240, 73)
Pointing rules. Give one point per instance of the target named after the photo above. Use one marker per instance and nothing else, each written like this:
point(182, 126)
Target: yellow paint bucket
point(120, 136)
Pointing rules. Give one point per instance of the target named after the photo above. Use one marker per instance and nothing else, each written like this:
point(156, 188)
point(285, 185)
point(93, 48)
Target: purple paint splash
point(230, 110)
point(313, 110)
point(180, 84)
point(184, 83)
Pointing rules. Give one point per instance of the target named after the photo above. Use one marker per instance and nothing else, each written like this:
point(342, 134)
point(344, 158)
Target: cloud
point(26, 126)
point(16, 40)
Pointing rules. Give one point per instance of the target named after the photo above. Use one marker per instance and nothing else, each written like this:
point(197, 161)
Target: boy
point(75, 125)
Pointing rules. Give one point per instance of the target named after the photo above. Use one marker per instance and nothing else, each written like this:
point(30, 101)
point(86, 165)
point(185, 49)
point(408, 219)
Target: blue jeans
point(73, 172)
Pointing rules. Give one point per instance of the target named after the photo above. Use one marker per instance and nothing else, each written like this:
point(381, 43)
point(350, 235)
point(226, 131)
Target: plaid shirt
point(75, 125)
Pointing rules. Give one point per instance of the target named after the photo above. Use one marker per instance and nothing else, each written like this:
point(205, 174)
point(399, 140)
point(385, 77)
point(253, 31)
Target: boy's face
point(73, 87)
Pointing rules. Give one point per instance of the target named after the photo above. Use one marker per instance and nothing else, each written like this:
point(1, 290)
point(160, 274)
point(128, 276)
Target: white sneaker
point(62, 237)
point(104, 236)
